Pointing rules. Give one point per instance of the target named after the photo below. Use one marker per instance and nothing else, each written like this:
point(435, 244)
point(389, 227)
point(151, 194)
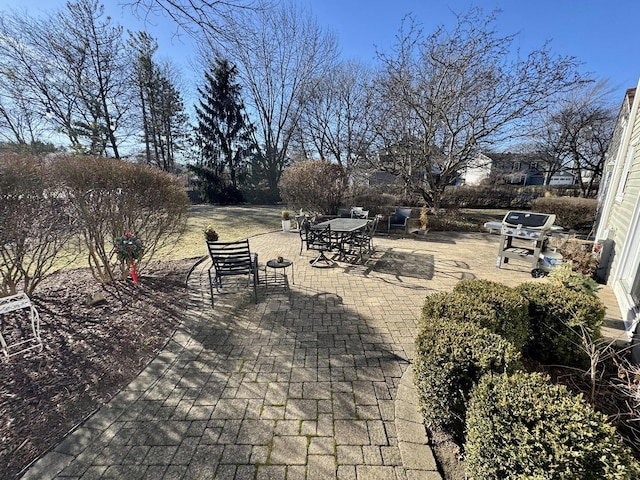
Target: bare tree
point(279, 52)
point(19, 123)
point(198, 18)
point(576, 132)
point(334, 124)
point(71, 67)
point(464, 90)
point(159, 102)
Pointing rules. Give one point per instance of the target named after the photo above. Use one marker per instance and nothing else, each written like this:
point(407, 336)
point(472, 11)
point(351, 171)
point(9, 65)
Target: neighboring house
point(560, 179)
point(525, 169)
point(618, 224)
point(478, 170)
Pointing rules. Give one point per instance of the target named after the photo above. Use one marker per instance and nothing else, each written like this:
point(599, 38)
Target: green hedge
point(450, 358)
point(492, 305)
point(558, 316)
point(522, 427)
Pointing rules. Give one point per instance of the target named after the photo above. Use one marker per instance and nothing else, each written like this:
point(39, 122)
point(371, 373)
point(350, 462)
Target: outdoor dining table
point(342, 228)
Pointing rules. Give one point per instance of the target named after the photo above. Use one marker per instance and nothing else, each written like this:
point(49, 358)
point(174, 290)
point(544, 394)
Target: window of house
point(630, 268)
point(635, 287)
point(533, 165)
point(516, 166)
point(625, 173)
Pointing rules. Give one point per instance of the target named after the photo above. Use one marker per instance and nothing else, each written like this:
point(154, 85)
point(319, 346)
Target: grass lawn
point(231, 223)
point(237, 222)
point(465, 219)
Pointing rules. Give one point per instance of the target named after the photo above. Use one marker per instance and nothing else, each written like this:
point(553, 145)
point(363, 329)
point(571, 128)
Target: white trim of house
point(603, 227)
point(624, 274)
point(622, 183)
point(622, 277)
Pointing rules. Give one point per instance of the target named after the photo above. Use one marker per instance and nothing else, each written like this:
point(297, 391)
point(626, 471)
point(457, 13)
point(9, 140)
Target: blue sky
point(601, 34)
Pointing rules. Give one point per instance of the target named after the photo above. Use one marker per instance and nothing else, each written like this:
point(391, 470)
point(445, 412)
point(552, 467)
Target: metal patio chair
point(320, 240)
point(399, 220)
point(232, 259)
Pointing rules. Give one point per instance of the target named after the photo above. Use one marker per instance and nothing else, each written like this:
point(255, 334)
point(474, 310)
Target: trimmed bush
point(36, 223)
point(559, 319)
point(522, 427)
point(571, 212)
point(511, 309)
point(313, 185)
point(112, 197)
point(450, 359)
point(491, 305)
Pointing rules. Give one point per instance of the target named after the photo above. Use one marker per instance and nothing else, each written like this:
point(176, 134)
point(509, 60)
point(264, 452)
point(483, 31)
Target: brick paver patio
point(313, 382)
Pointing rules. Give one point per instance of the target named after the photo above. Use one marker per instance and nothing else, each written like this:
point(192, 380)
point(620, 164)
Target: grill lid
point(539, 221)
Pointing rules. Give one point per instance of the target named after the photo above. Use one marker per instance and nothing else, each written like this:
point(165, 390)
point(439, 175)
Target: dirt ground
point(90, 353)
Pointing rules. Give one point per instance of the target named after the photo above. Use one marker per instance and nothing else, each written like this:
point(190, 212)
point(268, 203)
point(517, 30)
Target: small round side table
point(276, 265)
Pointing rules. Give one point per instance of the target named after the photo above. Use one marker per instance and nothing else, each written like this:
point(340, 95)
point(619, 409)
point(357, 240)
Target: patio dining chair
point(320, 240)
point(303, 231)
point(232, 259)
point(361, 242)
point(359, 213)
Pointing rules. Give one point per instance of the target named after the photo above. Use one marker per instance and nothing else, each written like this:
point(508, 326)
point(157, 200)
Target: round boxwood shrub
point(523, 427)
point(558, 318)
point(492, 305)
point(450, 358)
point(511, 308)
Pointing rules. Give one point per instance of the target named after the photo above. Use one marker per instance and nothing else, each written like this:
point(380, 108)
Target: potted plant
point(286, 220)
point(424, 221)
point(210, 233)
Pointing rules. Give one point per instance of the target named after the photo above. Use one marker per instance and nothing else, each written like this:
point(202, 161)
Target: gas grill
point(524, 236)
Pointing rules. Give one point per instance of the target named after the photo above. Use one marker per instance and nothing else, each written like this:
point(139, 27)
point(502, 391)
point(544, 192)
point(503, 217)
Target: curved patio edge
point(417, 456)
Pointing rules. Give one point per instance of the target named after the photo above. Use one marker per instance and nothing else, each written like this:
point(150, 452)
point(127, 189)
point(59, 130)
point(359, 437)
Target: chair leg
point(210, 287)
point(320, 258)
point(255, 286)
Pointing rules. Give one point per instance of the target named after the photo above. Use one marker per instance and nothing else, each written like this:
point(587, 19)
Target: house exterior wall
point(477, 170)
point(560, 179)
point(619, 222)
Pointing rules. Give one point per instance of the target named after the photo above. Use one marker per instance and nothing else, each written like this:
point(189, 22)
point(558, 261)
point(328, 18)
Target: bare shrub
point(112, 197)
point(313, 185)
point(36, 223)
point(571, 212)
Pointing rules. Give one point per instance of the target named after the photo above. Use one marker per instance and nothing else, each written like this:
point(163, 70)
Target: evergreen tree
point(224, 134)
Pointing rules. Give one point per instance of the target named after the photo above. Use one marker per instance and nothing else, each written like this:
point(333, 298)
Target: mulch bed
point(90, 353)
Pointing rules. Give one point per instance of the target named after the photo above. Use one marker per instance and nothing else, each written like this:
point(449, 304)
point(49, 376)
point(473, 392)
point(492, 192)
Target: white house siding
point(620, 211)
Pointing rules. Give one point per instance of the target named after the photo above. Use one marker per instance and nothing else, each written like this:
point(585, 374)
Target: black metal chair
point(361, 241)
point(303, 231)
point(399, 220)
point(232, 259)
point(320, 240)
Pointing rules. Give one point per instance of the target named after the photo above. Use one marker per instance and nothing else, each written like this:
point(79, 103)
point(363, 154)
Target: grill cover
point(533, 221)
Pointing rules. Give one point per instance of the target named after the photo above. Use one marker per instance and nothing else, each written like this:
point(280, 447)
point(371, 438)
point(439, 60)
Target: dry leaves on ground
point(89, 354)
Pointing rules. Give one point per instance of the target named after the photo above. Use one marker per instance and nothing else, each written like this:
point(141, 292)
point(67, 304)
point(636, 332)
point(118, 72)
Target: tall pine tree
point(224, 134)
